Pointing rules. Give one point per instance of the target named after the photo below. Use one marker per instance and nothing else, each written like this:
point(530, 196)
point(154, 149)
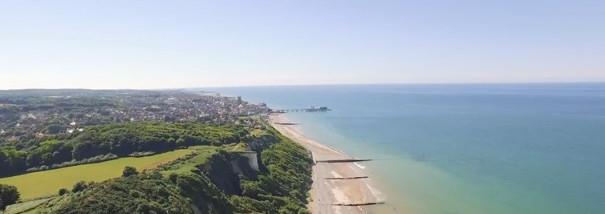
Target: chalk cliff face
point(225, 169)
point(263, 141)
point(251, 158)
point(221, 173)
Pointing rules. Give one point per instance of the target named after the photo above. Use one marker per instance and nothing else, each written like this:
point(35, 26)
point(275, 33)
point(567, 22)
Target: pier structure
point(310, 109)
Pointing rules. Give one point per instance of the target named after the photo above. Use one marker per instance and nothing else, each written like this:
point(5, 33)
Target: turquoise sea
point(469, 149)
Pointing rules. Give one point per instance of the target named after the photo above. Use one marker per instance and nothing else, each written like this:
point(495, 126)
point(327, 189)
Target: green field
point(203, 154)
point(46, 183)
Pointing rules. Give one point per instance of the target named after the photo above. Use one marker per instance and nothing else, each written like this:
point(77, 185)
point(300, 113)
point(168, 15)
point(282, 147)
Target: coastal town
point(32, 114)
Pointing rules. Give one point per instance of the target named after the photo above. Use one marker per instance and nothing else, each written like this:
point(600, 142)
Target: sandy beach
point(330, 191)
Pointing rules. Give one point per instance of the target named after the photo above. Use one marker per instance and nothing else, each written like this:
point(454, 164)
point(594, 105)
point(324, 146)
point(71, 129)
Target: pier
point(310, 109)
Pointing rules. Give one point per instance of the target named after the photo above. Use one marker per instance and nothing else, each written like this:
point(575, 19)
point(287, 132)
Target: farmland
point(46, 183)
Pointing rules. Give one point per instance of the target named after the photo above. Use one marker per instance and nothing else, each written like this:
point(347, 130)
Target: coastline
point(329, 191)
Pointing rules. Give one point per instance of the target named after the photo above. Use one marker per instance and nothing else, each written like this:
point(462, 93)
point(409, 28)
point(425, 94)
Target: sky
point(182, 44)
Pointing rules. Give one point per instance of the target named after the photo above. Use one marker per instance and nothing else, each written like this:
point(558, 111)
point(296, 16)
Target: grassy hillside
point(202, 179)
point(119, 140)
point(45, 183)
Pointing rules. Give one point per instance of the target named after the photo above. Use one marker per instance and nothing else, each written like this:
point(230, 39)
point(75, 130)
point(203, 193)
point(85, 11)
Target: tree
point(8, 195)
point(54, 128)
point(129, 171)
point(63, 191)
point(84, 150)
point(4, 164)
point(173, 177)
point(79, 186)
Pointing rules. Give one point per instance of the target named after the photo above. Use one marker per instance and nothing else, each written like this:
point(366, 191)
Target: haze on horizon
point(178, 44)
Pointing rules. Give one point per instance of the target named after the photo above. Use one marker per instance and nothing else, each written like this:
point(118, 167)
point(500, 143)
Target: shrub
point(80, 186)
point(63, 191)
point(8, 195)
point(135, 194)
point(129, 171)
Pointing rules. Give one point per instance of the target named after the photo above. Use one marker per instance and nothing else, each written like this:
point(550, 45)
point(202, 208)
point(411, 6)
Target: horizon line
point(314, 84)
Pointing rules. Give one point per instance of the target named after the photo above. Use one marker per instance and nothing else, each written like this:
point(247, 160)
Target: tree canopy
point(115, 140)
point(129, 171)
point(8, 195)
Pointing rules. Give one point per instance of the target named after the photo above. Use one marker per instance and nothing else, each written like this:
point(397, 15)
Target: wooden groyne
point(342, 160)
point(358, 204)
point(348, 178)
point(288, 124)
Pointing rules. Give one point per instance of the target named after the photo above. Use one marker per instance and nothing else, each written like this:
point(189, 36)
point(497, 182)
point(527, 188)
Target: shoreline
point(328, 195)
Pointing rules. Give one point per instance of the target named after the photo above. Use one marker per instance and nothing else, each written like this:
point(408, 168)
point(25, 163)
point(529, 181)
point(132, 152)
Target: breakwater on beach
point(532, 148)
point(339, 184)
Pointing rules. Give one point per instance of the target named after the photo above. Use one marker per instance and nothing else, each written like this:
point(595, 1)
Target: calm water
point(537, 148)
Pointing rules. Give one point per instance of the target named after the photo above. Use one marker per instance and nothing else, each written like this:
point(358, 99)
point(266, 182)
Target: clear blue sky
point(173, 44)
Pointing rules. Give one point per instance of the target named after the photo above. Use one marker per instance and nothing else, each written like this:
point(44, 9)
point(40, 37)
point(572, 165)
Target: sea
point(463, 148)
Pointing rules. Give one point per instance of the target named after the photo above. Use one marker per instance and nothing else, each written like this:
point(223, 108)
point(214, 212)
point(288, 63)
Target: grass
point(26, 206)
point(203, 153)
point(239, 147)
point(48, 183)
